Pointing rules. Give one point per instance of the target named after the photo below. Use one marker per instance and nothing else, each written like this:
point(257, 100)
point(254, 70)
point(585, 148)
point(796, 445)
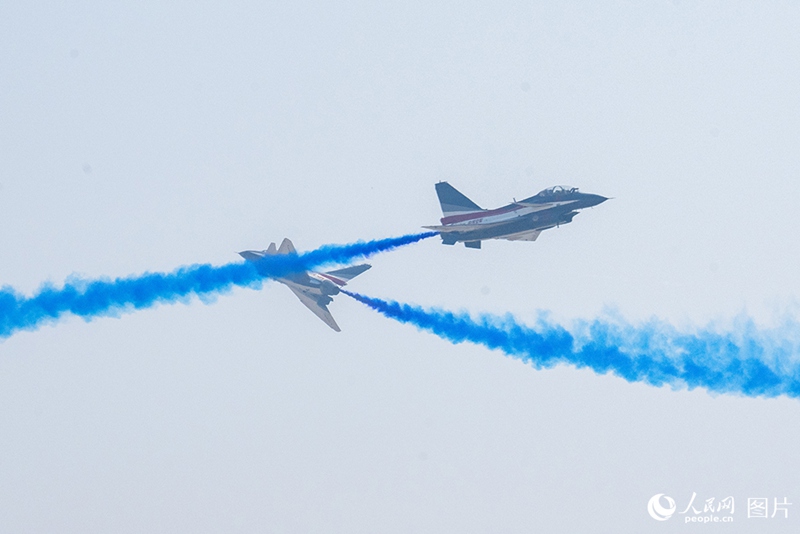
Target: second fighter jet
point(314, 289)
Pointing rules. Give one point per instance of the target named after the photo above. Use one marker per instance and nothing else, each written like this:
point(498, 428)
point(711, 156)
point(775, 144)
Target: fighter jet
point(314, 289)
point(464, 221)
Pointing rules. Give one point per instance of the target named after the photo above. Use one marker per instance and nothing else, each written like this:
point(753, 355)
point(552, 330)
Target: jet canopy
point(557, 190)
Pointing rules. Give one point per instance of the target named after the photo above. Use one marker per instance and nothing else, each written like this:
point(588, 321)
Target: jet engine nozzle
point(328, 288)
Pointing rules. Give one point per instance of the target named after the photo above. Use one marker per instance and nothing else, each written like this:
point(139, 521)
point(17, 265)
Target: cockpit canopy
point(557, 190)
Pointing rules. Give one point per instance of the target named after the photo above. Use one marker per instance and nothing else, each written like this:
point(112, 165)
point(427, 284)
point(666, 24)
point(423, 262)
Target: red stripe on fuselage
point(333, 279)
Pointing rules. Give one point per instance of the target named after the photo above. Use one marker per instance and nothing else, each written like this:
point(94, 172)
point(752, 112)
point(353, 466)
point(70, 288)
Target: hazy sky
point(136, 138)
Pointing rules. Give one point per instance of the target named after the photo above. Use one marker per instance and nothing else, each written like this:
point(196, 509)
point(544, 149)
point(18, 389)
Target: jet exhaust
point(105, 297)
point(329, 288)
point(746, 361)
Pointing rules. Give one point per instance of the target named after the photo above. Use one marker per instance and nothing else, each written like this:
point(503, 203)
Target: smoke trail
point(92, 298)
point(747, 361)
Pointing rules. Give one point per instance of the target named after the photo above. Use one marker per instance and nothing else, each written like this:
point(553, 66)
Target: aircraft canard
point(465, 222)
point(314, 289)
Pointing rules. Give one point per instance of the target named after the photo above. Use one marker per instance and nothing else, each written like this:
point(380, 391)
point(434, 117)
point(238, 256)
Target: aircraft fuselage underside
point(539, 220)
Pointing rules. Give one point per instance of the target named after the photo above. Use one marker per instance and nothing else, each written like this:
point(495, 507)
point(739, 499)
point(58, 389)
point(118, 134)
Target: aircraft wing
point(342, 276)
point(320, 310)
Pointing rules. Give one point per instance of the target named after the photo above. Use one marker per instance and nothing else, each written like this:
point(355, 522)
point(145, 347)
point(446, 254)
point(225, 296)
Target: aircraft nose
point(594, 200)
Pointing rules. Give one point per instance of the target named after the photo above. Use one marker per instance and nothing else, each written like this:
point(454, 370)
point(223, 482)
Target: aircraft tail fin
point(348, 273)
point(286, 247)
point(271, 249)
point(453, 202)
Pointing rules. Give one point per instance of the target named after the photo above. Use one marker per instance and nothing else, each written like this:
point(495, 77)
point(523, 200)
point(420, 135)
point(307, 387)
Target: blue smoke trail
point(746, 362)
point(93, 298)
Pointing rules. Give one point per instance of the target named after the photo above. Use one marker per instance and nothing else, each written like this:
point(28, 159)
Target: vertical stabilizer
point(286, 247)
point(453, 202)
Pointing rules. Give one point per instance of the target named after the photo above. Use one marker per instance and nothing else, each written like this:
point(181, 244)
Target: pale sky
point(145, 137)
